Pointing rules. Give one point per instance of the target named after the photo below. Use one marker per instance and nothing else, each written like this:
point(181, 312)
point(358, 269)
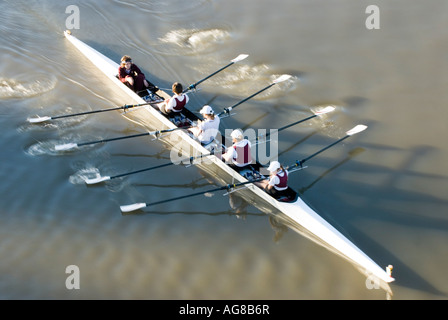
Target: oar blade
point(282, 78)
point(38, 119)
point(66, 146)
point(359, 128)
point(97, 180)
point(240, 58)
point(132, 207)
point(325, 110)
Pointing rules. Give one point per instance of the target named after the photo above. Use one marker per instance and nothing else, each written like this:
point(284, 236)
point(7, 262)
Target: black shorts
point(274, 192)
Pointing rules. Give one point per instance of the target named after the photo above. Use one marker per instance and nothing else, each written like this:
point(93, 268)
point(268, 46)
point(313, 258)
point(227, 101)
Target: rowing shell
point(298, 214)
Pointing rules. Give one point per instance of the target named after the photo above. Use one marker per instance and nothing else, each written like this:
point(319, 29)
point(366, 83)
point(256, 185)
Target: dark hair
point(177, 88)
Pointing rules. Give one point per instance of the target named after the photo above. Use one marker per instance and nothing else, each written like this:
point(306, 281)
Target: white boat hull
point(299, 215)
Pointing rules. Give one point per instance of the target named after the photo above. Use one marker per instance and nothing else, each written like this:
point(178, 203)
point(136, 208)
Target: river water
point(386, 188)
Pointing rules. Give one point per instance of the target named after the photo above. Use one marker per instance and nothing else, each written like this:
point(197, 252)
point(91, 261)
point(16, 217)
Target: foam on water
point(56, 124)
point(48, 147)
point(194, 41)
point(43, 148)
point(81, 175)
point(16, 89)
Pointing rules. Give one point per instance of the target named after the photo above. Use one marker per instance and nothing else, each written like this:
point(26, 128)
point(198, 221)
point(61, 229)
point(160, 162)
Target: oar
point(137, 206)
point(106, 178)
point(191, 159)
point(237, 59)
point(190, 87)
point(227, 110)
point(299, 163)
point(325, 110)
point(46, 118)
point(316, 114)
point(351, 132)
point(69, 146)
point(278, 80)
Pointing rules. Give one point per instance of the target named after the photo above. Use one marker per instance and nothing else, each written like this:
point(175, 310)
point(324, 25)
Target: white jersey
point(209, 130)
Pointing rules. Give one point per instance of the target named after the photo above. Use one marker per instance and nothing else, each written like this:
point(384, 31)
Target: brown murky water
point(386, 189)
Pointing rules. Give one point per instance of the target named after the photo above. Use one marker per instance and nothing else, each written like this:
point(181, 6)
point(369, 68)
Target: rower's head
point(237, 135)
point(177, 88)
point(207, 112)
point(274, 167)
point(126, 61)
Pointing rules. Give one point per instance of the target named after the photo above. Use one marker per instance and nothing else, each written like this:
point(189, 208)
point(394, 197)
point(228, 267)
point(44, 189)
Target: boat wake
point(49, 147)
point(15, 89)
point(82, 175)
point(193, 41)
point(43, 148)
point(245, 77)
point(85, 171)
point(58, 124)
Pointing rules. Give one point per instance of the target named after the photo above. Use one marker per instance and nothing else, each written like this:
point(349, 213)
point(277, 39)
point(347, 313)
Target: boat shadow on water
point(369, 204)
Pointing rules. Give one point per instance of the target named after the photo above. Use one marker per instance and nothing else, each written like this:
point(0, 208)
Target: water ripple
point(16, 89)
point(193, 41)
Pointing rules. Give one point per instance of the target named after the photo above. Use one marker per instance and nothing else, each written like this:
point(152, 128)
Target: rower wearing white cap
point(239, 155)
point(277, 185)
point(206, 130)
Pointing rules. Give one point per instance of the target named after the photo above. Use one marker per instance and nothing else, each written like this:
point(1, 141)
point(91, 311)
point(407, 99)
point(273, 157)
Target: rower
point(133, 77)
point(277, 185)
point(239, 155)
point(206, 131)
point(176, 103)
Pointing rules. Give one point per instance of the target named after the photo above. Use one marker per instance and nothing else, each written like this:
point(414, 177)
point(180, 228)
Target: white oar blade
point(97, 180)
point(38, 119)
point(132, 207)
point(67, 146)
point(282, 78)
point(240, 58)
point(357, 129)
point(325, 110)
